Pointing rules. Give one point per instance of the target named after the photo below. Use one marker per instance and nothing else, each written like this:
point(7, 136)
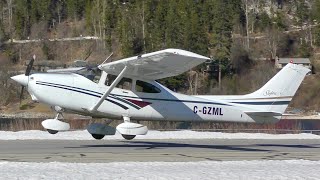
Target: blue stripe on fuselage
point(155, 99)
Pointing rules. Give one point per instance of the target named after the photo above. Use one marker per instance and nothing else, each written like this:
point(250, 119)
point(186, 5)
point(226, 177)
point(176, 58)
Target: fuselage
point(143, 100)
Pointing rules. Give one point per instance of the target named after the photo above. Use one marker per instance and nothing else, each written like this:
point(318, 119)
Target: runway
point(157, 150)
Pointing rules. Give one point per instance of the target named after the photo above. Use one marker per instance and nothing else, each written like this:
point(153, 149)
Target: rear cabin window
point(145, 87)
point(125, 83)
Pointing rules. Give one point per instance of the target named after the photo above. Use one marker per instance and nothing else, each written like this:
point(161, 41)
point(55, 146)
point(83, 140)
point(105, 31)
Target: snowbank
point(267, 170)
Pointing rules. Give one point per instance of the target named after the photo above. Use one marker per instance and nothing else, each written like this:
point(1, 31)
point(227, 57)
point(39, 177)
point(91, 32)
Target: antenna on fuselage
point(107, 58)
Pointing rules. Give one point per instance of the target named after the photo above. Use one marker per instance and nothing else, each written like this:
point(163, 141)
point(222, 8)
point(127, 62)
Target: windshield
point(91, 73)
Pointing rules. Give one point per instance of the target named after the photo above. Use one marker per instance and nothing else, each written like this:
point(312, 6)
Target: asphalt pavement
point(157, 150)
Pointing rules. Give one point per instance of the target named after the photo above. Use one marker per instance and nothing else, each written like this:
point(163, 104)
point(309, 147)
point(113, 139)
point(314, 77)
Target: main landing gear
point(98, 130)
point(98, 136)
point(128, 137)
point(129, 130)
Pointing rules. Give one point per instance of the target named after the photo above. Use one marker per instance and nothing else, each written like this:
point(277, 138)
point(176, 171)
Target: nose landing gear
point(52, 131)
point(53, 126)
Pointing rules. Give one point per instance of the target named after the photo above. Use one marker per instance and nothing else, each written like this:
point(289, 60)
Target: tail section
point(277, 93)
point(267, 104)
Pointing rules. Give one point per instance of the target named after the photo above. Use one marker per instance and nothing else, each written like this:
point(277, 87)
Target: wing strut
point(111, 87)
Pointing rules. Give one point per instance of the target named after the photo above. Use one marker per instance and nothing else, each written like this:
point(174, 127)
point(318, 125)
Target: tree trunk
point(104, 23)
point(247, 23)
point(9, 3)
point(143, 29)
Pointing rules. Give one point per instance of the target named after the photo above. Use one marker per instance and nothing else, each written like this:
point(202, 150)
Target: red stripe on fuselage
point(141, 104)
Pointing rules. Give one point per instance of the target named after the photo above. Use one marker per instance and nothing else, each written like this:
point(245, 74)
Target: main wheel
point(97, 136)
point(128, 137)
point(52, 131)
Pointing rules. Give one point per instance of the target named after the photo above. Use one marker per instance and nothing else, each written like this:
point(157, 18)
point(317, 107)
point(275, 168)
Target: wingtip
point(186, 53)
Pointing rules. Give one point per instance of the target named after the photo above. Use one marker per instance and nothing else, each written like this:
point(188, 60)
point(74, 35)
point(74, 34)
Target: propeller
point(29, 66)
point(27, 73)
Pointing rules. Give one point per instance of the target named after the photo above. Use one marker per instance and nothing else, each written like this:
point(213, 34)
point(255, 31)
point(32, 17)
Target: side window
point(145, 87)
point(125, 83)
point(110, 79)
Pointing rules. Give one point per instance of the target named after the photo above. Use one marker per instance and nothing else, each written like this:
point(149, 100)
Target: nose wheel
point(52, 131)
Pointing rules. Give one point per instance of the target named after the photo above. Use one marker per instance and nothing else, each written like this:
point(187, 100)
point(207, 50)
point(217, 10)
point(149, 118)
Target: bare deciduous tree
point(10, 9)
point(273, 40)
point(246, 8)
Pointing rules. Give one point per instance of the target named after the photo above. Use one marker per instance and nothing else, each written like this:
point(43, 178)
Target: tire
point(98, 136)
point(128, 137)
point(52, 131)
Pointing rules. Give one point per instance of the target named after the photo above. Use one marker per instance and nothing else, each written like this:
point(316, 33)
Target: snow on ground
point(186, 134)
point(266, 170)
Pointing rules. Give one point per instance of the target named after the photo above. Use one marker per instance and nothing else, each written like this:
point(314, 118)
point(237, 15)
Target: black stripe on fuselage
point(173, 100)
point(143, 98)
point(56, 86)
point(126, 101)
point(116, 96)
point(119, 99)
point(264, 103)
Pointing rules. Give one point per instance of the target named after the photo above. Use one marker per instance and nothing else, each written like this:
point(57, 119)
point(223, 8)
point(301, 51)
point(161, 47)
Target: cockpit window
point(110, 79)
point(145, 87)
point(91, 73)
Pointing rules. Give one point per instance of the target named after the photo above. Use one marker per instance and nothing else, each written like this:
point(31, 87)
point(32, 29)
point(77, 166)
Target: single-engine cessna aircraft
point(126, 89)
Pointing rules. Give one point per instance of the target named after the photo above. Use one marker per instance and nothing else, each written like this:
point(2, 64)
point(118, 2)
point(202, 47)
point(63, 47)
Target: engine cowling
point(129, 128)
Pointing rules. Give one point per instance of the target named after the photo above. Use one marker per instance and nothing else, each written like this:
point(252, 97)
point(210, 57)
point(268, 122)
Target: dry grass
point(19, 124)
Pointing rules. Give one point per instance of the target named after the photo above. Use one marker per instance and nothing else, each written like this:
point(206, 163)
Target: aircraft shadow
point(310, 146)
point(166, 145)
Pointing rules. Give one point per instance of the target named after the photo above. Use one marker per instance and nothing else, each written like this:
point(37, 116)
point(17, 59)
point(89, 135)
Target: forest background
point(242, 36)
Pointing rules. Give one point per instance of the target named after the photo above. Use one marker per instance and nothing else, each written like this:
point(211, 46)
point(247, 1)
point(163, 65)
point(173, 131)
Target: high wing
point(156, 65)
point(65, 70)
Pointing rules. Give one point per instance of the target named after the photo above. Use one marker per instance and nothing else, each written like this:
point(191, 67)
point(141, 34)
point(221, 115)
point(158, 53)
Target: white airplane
point(126, 89)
